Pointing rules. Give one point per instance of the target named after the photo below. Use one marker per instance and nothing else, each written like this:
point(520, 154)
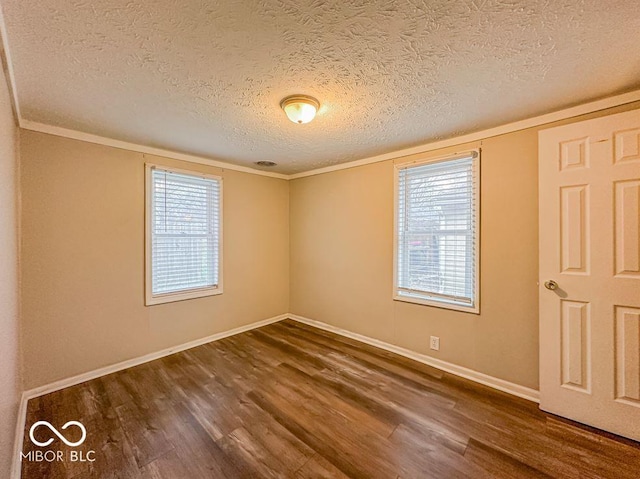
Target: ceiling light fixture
point(265, 163)
point(300, 108)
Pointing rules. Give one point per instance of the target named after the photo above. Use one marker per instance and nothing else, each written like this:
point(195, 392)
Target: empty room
point(319, 239)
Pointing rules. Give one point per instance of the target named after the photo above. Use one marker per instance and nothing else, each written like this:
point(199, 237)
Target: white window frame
point(423, 299)
point(150, 298)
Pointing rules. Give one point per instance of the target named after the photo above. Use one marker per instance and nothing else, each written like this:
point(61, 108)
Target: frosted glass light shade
point(300, 108)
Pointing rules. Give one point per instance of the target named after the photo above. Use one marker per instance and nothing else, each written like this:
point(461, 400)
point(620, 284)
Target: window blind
point(437, 231)
point(185, 226)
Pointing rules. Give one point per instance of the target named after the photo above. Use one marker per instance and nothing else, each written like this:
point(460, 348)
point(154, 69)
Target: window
point(436, 232)
point(183, 235)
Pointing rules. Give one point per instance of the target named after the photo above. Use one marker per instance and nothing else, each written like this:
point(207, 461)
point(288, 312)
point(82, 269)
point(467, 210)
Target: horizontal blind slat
point(436, 229)
point(185, 226)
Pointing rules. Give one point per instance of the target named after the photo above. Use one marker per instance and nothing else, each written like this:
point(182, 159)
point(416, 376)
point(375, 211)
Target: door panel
point(574, 236)
point(589, 211)
point(627, 211)
point(576, 354)
point(628, 354)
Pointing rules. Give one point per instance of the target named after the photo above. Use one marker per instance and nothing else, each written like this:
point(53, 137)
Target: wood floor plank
point(358, 348)
point(319, 468)
point(327, 401)
point(374, 358)
point(341, 460)
point(193, 443)
point(109, 440)
point(388, 411)
point(142, 429)
point(437, 461)
point(167, 466)
point(328, 358)
point(291, 401)
point(499, 463)
point(262, 460)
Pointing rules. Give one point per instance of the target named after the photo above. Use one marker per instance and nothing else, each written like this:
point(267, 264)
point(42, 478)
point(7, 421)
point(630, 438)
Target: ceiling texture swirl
point(206, 78)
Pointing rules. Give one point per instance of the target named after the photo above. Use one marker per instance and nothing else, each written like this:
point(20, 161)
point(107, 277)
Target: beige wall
point(83, 259)
point(10, 381)
point(83, 256)
point(342, 265)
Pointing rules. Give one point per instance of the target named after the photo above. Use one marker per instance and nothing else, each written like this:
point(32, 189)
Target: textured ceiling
point(206, 78)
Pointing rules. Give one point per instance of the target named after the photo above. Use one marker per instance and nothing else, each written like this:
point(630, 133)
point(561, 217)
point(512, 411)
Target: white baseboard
point(21, 420)
point(496, 383)
point(485, 379)
point(96, 373)
point(16, 467)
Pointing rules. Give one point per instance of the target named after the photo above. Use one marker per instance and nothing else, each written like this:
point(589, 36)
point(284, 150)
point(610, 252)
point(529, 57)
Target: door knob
point(551, 284)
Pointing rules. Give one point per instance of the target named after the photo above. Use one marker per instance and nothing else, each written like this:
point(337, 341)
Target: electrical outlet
point(435, 343)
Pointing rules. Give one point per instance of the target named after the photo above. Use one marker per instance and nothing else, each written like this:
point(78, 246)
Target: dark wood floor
point(289, 400)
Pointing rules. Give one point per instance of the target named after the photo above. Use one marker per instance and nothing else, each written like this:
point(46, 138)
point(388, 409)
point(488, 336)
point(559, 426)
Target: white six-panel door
point(589, 187)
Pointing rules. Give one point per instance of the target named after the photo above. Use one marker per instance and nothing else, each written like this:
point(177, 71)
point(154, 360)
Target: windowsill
point(181, 296)
point(475, 309)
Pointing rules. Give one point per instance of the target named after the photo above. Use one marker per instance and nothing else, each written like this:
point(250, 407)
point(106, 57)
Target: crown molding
point(125, 145)
point(564, 114)
point(533, 122)
point(558, 115)
point(7, 67)
point(5, 59)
